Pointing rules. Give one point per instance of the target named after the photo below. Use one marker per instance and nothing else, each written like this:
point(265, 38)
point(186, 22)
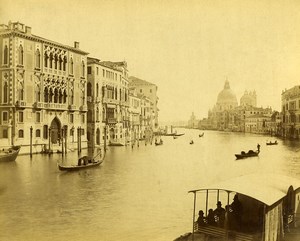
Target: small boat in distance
point(180, 134)
point(272, 143)
point(243, 154)
point(83, 162)
point(200, 135)
point(10, 154)
point(175, 137)
point(191, 142)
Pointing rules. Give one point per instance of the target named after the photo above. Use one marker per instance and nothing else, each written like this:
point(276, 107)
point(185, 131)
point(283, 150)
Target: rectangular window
point(71, 118)
point(103, 73)
point(21, 134)
point(5, 133)
point(21, 117)
point(97, 70)
point(89, 70)
point(38, 133)
point(38, 117)
point(45, 132)
point(4, 117)
point(82, 118)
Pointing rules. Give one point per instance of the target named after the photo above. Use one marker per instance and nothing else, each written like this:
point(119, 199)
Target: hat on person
point(201, 212)
point(219, 203)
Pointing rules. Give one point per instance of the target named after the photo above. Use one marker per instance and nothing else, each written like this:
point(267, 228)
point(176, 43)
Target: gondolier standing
point(258, 147)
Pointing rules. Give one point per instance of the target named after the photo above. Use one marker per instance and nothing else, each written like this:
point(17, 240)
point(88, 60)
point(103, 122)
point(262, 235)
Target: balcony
point(55, 106)
point(38, 105)
point(21, 104)
point(72, 107)
point(83, 108)
point(110, 101)
point(111, 121)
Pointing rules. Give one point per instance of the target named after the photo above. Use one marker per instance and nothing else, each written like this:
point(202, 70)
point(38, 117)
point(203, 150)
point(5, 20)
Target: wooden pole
point(49, 151)
point(62, 141)
point(194, 216)
point(66, 138)
point(31, 141)
point(78, 151)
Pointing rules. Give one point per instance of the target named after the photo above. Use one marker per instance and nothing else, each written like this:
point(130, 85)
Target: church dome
point(227, 96)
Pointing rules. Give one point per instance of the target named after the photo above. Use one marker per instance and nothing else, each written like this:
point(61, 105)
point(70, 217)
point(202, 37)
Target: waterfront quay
point(137, 193)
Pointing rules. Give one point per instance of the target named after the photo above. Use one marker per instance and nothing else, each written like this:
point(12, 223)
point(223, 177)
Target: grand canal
point(138, 193)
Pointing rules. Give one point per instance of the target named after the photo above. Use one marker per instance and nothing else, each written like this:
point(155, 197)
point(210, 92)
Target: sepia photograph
point(150, 120)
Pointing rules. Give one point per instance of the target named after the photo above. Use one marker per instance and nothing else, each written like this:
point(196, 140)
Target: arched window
point(60, 96)
point(46, 60)
point(64, 63)
point(71, 65)
point(51, 60)
point(55, 61)
point(37, 59)
point(21, 91)
point(21, 57)
point(116, 93)
point(89, 116)
point(65, 96)
point(5, 92)
point(55, 96)
point(97, 89)
point(60, 61)
point(38, 133)
point(89, 89)
point(46, 93)
point(5, 53)
point(71, 97)
point(38, 93)
point(83, 68)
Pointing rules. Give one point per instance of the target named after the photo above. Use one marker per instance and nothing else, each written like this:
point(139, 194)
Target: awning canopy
point(266, 188)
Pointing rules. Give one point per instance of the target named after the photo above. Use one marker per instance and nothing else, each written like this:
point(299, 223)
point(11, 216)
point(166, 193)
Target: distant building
point(43, 91)
point(248, 99)
point(149, 90)
point(193, 122)
point(290, 102)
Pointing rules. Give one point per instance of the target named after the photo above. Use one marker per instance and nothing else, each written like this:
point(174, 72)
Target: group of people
point(229, 217)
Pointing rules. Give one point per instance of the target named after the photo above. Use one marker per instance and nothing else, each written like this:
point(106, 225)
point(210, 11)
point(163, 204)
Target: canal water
point(138, 193)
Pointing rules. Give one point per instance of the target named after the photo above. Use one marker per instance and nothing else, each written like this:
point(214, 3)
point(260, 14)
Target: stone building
point(290, 102)
point(149, 90)
point(43, 91)
point(108, 102)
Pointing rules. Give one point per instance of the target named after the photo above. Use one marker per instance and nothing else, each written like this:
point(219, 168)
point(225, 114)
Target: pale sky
point(187, 48)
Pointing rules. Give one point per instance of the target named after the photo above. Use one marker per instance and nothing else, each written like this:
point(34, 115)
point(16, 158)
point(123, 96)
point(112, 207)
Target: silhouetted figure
point(237, 210)
point(258, 147)
point(201, 219)
point(211, 217)
point(219, 214)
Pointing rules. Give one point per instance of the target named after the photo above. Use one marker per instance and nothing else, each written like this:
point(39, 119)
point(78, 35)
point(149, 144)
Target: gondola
point(272, 143)
point(200, 135)
point(158, 143)
point(180, 134)
point(191, 142)
point(83, 162)
point(10, 154)
point(243, 154)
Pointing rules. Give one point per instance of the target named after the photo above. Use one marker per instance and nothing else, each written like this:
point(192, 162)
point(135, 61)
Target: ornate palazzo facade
point(43, 91)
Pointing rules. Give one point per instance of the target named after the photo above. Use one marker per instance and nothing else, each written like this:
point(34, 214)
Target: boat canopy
point(266, 188)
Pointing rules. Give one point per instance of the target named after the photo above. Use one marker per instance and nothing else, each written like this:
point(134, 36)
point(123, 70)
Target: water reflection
point(138, 193)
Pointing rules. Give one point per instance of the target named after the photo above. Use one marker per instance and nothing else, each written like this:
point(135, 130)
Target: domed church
point(226, 99)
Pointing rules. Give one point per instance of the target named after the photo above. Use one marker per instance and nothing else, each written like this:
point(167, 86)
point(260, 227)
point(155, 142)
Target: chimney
point(76, 45)
point(28, 30)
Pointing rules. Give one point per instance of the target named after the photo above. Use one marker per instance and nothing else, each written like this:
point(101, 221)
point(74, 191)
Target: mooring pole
point(31, 141)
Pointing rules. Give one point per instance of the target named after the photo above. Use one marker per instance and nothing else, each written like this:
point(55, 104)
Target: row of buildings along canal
point(53, 95)
point(228, 115)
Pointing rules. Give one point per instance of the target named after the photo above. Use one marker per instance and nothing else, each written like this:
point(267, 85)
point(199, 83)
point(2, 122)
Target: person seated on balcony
point(211, 217)
point(219, 214)
point(201, 219)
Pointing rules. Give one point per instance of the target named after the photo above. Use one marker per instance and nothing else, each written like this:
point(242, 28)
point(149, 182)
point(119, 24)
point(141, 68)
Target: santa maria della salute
point(228, 115)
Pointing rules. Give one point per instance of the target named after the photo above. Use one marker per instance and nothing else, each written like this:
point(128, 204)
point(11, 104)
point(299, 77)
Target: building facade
point(43, 91)
point(290, 102)
point(108, 102)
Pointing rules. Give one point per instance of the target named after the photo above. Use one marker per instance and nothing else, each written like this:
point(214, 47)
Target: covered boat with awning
point(268, 208)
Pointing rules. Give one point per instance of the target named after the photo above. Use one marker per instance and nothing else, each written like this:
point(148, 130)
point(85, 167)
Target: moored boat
point(202, 134)
point(10, 154)
point(265, 207)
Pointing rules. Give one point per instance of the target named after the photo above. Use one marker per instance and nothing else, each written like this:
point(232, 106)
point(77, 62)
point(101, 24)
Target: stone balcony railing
point(83, 108)
point(110, 101)
point(38, 105)
point(55, 106)
point(72, 107)
point(20, 104)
